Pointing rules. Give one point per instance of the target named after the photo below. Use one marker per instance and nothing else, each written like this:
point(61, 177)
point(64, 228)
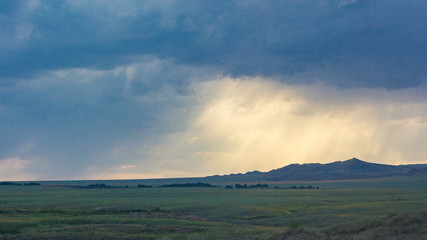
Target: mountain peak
point(353, 168)
point(355, 160)
point(348, 161)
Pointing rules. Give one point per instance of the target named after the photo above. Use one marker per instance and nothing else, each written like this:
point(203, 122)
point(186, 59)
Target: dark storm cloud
point(72, 119)
point(345, 43)
point(89, 88)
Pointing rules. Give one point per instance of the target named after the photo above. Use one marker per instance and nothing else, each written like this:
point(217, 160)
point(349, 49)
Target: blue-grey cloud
point(92, 88)
point(73, 119)
point(352, 43)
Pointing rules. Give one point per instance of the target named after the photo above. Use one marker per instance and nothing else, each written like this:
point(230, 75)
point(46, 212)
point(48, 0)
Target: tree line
point(173, 185)
point(19, 184)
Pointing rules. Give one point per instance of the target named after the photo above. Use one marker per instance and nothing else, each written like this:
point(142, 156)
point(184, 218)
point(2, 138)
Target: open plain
point(383, 208)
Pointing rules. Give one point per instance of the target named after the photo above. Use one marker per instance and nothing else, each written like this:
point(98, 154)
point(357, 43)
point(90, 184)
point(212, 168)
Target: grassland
point(389, 208)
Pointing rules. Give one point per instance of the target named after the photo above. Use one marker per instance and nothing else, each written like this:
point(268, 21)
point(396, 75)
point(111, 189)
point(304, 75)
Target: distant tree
point(228, 186)
point(143, 186)
point(188, 185)
point(97, 186)
point(32, 184)
point(259, 185)
point(10, 183)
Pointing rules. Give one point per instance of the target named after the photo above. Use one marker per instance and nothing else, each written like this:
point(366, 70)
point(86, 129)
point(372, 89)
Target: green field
point(389, 208)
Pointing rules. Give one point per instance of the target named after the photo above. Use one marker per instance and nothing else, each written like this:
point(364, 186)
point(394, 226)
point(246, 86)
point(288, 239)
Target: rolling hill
point(349, 169)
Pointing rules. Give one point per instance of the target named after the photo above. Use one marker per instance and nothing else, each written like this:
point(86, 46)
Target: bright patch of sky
point(142, 89)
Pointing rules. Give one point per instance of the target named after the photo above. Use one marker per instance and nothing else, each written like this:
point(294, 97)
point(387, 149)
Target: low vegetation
point(393, 208)
point(395, 226)
point(259, 185)
point(19, 184)
point(188, 185)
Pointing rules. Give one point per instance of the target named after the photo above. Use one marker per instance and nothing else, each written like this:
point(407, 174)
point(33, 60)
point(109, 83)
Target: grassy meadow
point(388, 208)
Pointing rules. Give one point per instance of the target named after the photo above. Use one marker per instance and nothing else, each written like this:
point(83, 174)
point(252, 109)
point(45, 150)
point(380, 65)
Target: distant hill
point(349, 169)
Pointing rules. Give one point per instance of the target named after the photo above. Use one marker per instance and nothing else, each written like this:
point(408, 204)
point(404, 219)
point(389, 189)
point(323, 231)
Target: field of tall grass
point(391, 208)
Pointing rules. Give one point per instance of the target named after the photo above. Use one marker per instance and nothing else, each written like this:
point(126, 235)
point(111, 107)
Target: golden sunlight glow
point(259, 125)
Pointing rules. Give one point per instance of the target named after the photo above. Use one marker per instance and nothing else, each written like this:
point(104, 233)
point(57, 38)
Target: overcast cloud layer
point(137, 89)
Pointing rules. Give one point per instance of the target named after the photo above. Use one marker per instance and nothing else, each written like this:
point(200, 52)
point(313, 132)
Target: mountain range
point(350, 169)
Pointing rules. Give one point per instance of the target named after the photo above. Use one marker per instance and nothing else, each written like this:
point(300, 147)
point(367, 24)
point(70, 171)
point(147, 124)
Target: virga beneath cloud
point(129, 89)
point(261, 124)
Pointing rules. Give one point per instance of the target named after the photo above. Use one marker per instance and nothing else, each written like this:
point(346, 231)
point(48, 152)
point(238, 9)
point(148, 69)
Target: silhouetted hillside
point(350, 169)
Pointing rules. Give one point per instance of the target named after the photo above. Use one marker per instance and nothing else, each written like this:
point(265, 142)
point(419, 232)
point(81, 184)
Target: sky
point(160, 89)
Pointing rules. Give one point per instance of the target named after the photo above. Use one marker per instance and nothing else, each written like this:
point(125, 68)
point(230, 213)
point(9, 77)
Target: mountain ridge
point(353, 168)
